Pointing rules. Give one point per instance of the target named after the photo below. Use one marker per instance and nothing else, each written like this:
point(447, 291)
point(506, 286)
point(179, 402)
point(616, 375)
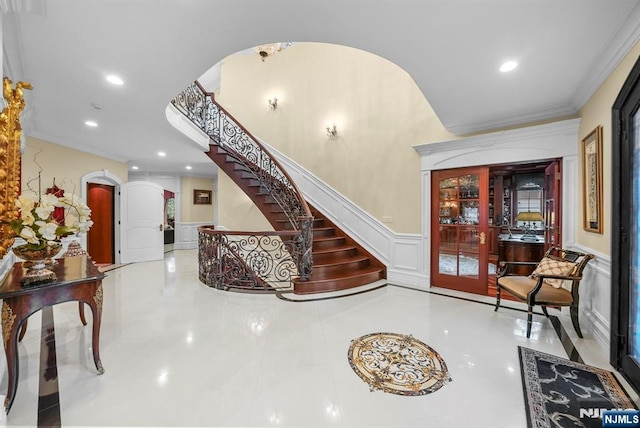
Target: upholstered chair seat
point(554, 282)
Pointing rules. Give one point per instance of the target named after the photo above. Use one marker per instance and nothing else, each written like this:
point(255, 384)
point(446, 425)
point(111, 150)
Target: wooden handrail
point(207, 229)
point(305, 206)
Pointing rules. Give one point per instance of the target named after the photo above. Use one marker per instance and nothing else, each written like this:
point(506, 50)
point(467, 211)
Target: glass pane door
point(459, 225)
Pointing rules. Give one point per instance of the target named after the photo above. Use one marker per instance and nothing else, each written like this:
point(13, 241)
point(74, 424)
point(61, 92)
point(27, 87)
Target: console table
point(77, 278)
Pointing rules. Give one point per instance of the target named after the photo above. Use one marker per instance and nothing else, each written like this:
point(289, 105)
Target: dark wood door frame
point(469, 284)
point(625, 107)
point(101, 237)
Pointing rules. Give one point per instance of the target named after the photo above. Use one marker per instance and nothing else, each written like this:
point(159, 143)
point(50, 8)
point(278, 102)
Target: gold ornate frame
point(10, 133)
point(201, 197)
point(592, 181)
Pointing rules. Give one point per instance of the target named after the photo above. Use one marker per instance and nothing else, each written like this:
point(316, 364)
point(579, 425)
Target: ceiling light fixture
point(134, 167)
point(267, 50)
point(508, 66)
point(162, 154)
point(91, 123)
point(273, 103)
point(188, 167)
point(332, 132)
point(115, 80)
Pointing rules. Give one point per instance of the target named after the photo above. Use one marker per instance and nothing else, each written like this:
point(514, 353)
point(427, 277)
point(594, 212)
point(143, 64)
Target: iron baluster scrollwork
point(201, 108)
point(259, 261)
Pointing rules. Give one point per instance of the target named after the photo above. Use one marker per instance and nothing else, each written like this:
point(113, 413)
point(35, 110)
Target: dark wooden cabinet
point(516, 250)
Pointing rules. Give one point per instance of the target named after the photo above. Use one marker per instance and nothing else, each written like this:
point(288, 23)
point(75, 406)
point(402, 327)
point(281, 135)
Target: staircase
point(339, 263)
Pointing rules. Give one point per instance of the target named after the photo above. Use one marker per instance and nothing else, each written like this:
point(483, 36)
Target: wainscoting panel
point(186, 237)
point(595, 299)
point(402, 253)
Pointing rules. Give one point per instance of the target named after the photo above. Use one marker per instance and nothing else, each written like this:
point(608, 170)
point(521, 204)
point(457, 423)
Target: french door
point(459, 229)
point(625, 249)
point(552, 206)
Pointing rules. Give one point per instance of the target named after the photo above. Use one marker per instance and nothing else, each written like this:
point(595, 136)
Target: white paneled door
point(142, 218)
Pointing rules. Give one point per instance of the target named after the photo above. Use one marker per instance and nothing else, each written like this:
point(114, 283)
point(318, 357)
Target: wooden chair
point(554, 282)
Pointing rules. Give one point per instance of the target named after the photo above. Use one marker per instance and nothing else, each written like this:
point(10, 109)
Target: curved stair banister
point(200, 107)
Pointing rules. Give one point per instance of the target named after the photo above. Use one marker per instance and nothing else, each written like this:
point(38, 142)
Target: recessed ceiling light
point(91, 123)
point(134, 167)
point(113, 79)
point(508, 66)
point(188, 167)
point(162, 154)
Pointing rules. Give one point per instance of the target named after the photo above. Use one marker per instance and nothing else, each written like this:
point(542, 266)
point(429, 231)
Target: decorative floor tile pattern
point(398, 364)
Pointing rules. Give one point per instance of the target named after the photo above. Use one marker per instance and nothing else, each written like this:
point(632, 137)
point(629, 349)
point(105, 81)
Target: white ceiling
point(451, 48)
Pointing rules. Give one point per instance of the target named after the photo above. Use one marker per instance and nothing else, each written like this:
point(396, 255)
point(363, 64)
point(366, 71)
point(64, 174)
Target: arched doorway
point(103, 185)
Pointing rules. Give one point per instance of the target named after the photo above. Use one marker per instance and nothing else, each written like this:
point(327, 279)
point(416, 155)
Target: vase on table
point(37, 262)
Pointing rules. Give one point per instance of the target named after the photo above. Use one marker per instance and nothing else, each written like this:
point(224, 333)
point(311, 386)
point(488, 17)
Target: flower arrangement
point(38, 224)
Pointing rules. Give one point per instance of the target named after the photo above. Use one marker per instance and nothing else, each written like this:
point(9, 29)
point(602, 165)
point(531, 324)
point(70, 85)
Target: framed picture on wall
point(201, 197)
point(592, 181)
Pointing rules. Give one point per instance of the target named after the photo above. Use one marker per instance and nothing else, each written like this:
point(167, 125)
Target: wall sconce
point(273, 103)
point(332, 132)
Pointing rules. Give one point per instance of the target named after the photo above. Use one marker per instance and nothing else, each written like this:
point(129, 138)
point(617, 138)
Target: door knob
point(160, 227)
point(482, 238)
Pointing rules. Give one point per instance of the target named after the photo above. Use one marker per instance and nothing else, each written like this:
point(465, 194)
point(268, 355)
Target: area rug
point(397, 364)
point(563, 393)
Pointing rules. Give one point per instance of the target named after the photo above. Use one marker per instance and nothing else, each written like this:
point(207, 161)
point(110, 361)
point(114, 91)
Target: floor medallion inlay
point(397, 364)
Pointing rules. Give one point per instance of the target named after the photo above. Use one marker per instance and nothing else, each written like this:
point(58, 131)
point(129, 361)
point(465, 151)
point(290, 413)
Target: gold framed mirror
point(10, 134)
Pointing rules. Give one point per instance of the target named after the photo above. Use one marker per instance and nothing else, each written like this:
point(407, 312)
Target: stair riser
point(334, 256)
point(322, 271)
point(323, 233)
point(321, 245)
point(310, 287)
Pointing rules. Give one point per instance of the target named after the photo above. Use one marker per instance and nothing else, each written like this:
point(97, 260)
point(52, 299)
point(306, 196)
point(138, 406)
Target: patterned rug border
point(532, 391)
point(441, 375)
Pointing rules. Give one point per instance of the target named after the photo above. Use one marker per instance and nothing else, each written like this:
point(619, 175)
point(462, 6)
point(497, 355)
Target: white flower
point(44, 212)
point(27, 218)
point(49, 200)
point(84, 226)
point(36, 224)
point(48, 231)
point(29, 235)
point(25, 203)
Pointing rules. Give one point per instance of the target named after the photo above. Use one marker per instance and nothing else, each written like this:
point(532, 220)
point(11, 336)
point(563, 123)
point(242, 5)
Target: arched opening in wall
point(101, 236)
point(100, 190)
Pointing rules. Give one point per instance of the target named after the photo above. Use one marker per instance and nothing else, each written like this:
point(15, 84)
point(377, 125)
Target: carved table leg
point(81, 311)
point(10, 325)
point(23, 330)
point(96, 309)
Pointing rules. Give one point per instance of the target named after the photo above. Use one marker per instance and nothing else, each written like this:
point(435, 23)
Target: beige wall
point(597, 111)
point(65, 164)
point(196, 213)
point(378, 109)
point(235, 210)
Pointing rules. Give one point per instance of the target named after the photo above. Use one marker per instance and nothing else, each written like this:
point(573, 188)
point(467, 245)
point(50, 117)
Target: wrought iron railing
point(201, 108)
point(257, 261)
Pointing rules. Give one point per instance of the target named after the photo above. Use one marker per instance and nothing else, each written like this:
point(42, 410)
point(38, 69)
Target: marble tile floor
point(179, 354)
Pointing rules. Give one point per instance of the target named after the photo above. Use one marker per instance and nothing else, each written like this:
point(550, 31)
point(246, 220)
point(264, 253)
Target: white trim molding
point(401, 252)
point(548, 141)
